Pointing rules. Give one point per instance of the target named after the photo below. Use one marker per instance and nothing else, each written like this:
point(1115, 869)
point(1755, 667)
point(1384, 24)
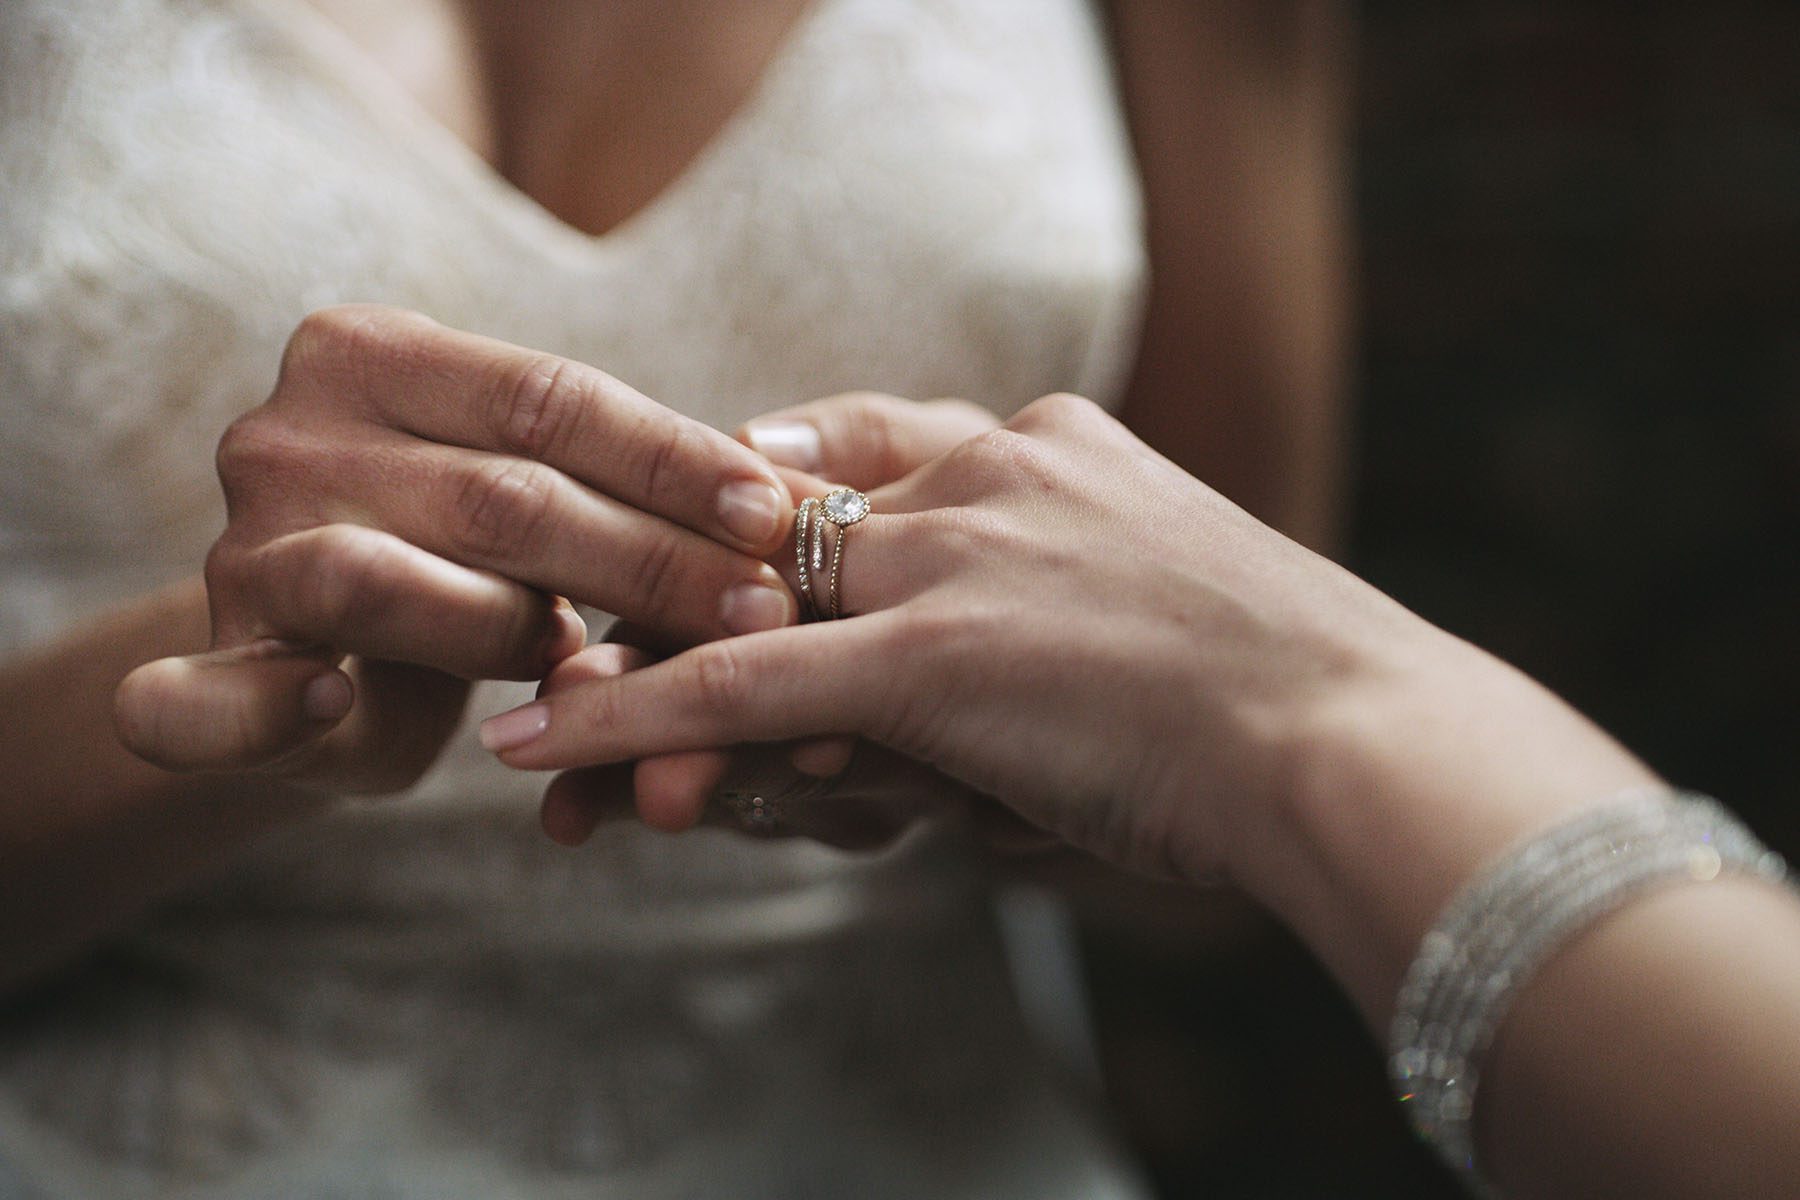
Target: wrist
point(1402, 781)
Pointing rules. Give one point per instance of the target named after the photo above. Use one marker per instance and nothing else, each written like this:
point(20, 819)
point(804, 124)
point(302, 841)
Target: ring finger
point(879, 561)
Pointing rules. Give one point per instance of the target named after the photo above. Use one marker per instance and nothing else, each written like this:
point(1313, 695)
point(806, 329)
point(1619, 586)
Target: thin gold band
point(841, 508)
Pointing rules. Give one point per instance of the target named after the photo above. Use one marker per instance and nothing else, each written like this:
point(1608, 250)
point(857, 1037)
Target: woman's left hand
point(832, 790)
point(1049, 613)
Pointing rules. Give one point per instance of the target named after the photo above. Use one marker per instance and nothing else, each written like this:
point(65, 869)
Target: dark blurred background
point(1578, 445)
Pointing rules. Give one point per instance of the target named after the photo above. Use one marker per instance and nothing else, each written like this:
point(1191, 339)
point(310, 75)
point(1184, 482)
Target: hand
point(1051, 614)
point(405, 512)
point(860, 439)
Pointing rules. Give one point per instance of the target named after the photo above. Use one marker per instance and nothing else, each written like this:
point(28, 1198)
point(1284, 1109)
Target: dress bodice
point(928, 197)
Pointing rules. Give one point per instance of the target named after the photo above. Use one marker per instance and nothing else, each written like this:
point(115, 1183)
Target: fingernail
point(327, 698)
point(567, 637)
point(754, 607)
point(750, 510)
point(786, 443)
point(824, 758)
point(510, 730)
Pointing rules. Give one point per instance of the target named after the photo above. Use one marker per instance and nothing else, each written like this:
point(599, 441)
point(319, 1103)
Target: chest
point(924, 197)
point(591, 109)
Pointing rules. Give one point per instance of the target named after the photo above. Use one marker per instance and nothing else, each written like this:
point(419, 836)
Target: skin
point(1240, 113)
point(1235, 705)
point(410, 494)
point(275, 682)
point(405, 512)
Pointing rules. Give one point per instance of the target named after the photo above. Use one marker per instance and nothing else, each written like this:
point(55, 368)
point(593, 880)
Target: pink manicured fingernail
point(786, 443)
point(750, 510)
point(754, 607)
point(327, 698)
point(510, 730)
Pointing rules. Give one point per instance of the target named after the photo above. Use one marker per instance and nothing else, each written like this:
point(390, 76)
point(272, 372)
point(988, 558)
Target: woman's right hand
point(405, 513)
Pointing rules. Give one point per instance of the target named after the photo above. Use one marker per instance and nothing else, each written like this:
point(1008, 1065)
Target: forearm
point(89, 833)
point(1657, 1054)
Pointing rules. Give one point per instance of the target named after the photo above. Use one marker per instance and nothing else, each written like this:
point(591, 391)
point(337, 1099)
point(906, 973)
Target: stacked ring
point(804, 524)
point(841, 509)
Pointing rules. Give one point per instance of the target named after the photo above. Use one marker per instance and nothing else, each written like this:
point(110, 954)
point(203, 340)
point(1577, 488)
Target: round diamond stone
point(846, 506)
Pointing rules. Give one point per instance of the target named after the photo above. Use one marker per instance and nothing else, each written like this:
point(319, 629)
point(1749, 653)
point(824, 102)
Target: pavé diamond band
point(840, 509)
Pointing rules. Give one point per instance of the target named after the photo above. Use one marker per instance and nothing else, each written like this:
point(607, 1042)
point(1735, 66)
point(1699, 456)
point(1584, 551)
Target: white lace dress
point(423, 997)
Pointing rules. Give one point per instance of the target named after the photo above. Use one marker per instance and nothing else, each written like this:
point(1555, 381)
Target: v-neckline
point(338, 60)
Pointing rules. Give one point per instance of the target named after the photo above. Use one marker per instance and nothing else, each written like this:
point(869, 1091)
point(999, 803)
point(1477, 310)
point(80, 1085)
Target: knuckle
point(347, 340)
point(717, 676)
point(657, 575)
point(666, 458)
point(223, 568)
point(1058, 408)
point(538, 406)
point(316, 343)
point(1008, 457)
point(880, 435)
point(253, 448)
point(140, 703)
point(987, 456)
point(509, 638)
point(599, 711)
point(350, 580)
point(501, 505)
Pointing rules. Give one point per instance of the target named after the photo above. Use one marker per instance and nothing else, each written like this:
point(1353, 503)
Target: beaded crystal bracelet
point(1504, 925)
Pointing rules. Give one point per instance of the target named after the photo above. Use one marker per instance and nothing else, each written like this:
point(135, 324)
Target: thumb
point(864, 439)
point(232, 709)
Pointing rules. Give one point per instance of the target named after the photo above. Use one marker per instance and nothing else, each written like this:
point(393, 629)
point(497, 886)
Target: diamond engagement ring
point(841, 509)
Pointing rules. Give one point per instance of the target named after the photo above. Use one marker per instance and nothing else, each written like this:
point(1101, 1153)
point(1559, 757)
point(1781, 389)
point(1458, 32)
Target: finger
point(577, 802)
point(363, 591)
point(1006, 832)
point(651, 643)
point(403, 715)
point(877, 796)
point(673, 789)
point(603, 660)
point(571, 631)
point(822, 758)
point(864, 439)
point(886, 560)
point(670, 789)
point(867, 804)
point(789, 683)
point(532, 523)
point(444, 385)
point(234, 709)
